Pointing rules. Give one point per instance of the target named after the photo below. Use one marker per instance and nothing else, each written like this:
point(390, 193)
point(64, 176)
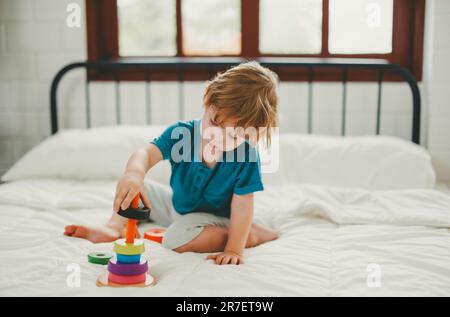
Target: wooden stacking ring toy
point(155, 234)
point(128, 268)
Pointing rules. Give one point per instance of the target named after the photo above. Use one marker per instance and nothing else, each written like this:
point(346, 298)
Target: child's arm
point(132, 182)
point(240, 223)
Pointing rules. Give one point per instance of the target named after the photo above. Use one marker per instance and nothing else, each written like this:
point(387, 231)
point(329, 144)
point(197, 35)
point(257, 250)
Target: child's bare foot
point(261, 234)
point(94, 234)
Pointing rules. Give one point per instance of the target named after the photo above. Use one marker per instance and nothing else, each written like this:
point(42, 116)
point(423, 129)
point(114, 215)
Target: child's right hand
point(128, 187)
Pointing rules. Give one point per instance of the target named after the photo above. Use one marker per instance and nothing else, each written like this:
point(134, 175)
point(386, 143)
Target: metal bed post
point(379, 96)
point(148, 100)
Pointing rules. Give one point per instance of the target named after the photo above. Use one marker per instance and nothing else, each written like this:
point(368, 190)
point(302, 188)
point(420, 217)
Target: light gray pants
point(181, 228)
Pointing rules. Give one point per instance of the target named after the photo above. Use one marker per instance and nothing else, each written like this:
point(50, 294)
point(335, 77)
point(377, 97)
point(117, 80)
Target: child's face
point(225, 137)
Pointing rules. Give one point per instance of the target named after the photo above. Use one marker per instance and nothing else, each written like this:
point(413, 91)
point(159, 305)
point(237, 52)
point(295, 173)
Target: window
point(372, 20)
point(387, 29)
point(147, 28)
point(290, 26)
point(211, 27)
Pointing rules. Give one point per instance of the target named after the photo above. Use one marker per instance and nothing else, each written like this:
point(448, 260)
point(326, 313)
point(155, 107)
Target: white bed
point(372, 235)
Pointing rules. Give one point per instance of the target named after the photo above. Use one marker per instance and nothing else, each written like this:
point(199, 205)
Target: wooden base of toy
point(102, 280)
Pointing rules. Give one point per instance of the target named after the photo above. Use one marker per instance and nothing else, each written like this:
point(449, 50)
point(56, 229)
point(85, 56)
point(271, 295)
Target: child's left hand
point(226, 257)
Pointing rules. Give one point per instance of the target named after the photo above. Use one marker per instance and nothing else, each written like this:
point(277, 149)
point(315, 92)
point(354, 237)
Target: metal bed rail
point(180, 64)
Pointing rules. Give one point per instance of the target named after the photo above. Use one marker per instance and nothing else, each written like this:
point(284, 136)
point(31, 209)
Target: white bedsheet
point(329, 236)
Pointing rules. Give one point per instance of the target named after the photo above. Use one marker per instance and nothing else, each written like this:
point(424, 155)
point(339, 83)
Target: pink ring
point(126, 279)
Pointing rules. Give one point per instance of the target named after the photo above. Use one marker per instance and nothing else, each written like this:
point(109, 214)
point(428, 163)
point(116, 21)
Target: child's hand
point(128, 187)
point(227, 257)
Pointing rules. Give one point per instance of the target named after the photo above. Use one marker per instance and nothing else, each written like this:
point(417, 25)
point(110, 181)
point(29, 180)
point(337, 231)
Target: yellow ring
point(121, 247)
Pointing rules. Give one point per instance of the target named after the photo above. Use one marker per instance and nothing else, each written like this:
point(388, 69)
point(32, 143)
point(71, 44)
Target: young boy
point(215, 171)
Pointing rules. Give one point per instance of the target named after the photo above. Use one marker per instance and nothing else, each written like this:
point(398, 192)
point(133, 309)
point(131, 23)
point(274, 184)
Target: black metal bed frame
point(180, 64)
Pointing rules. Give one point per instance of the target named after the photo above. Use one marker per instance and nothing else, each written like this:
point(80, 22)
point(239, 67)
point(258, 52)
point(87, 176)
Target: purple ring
point(127, 268)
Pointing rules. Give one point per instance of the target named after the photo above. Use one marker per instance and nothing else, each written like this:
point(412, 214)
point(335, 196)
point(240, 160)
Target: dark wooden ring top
point(142, 213)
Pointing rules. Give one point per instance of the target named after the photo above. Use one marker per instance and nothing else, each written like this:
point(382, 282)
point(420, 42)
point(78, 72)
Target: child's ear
point(213, 109)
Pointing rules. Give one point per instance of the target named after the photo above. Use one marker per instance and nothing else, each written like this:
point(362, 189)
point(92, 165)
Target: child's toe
point(69, 230)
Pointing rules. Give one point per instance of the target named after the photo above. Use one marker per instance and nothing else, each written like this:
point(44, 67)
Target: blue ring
point(122, 258)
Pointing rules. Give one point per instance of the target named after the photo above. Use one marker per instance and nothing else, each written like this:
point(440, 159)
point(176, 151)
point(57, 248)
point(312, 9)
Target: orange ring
point(155, 234)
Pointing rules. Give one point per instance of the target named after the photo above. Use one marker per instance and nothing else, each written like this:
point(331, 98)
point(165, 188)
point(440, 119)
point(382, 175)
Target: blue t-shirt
point(198, 188)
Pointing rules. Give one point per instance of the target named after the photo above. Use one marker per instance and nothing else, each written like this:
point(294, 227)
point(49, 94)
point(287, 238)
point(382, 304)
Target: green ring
point(100, 257)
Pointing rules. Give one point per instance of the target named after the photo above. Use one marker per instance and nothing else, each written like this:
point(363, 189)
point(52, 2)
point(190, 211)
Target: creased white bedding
point(331, 239)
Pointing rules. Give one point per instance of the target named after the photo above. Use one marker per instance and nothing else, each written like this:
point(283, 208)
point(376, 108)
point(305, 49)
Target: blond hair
point(247, 94)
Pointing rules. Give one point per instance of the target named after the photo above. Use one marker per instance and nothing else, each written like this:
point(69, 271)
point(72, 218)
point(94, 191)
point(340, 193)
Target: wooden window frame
point(407, 50)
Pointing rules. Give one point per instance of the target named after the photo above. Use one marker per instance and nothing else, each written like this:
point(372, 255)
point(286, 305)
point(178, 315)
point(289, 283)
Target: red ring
point(155, 234)
point(127, 279)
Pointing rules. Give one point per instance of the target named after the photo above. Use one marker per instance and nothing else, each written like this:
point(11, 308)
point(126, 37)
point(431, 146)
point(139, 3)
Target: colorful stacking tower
point(128, 267)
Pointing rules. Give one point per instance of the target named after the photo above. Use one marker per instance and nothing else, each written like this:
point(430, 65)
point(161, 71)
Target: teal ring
point(122, 258)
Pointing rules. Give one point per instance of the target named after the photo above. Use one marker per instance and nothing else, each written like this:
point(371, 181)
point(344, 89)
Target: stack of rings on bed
point(128, 267)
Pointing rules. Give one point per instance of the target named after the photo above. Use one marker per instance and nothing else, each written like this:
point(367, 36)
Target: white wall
point(437, 85)
point(35, 42)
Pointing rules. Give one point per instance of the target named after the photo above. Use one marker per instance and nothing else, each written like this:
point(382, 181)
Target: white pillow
point(88, 154)
point(374, 162)
point(370, 162)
